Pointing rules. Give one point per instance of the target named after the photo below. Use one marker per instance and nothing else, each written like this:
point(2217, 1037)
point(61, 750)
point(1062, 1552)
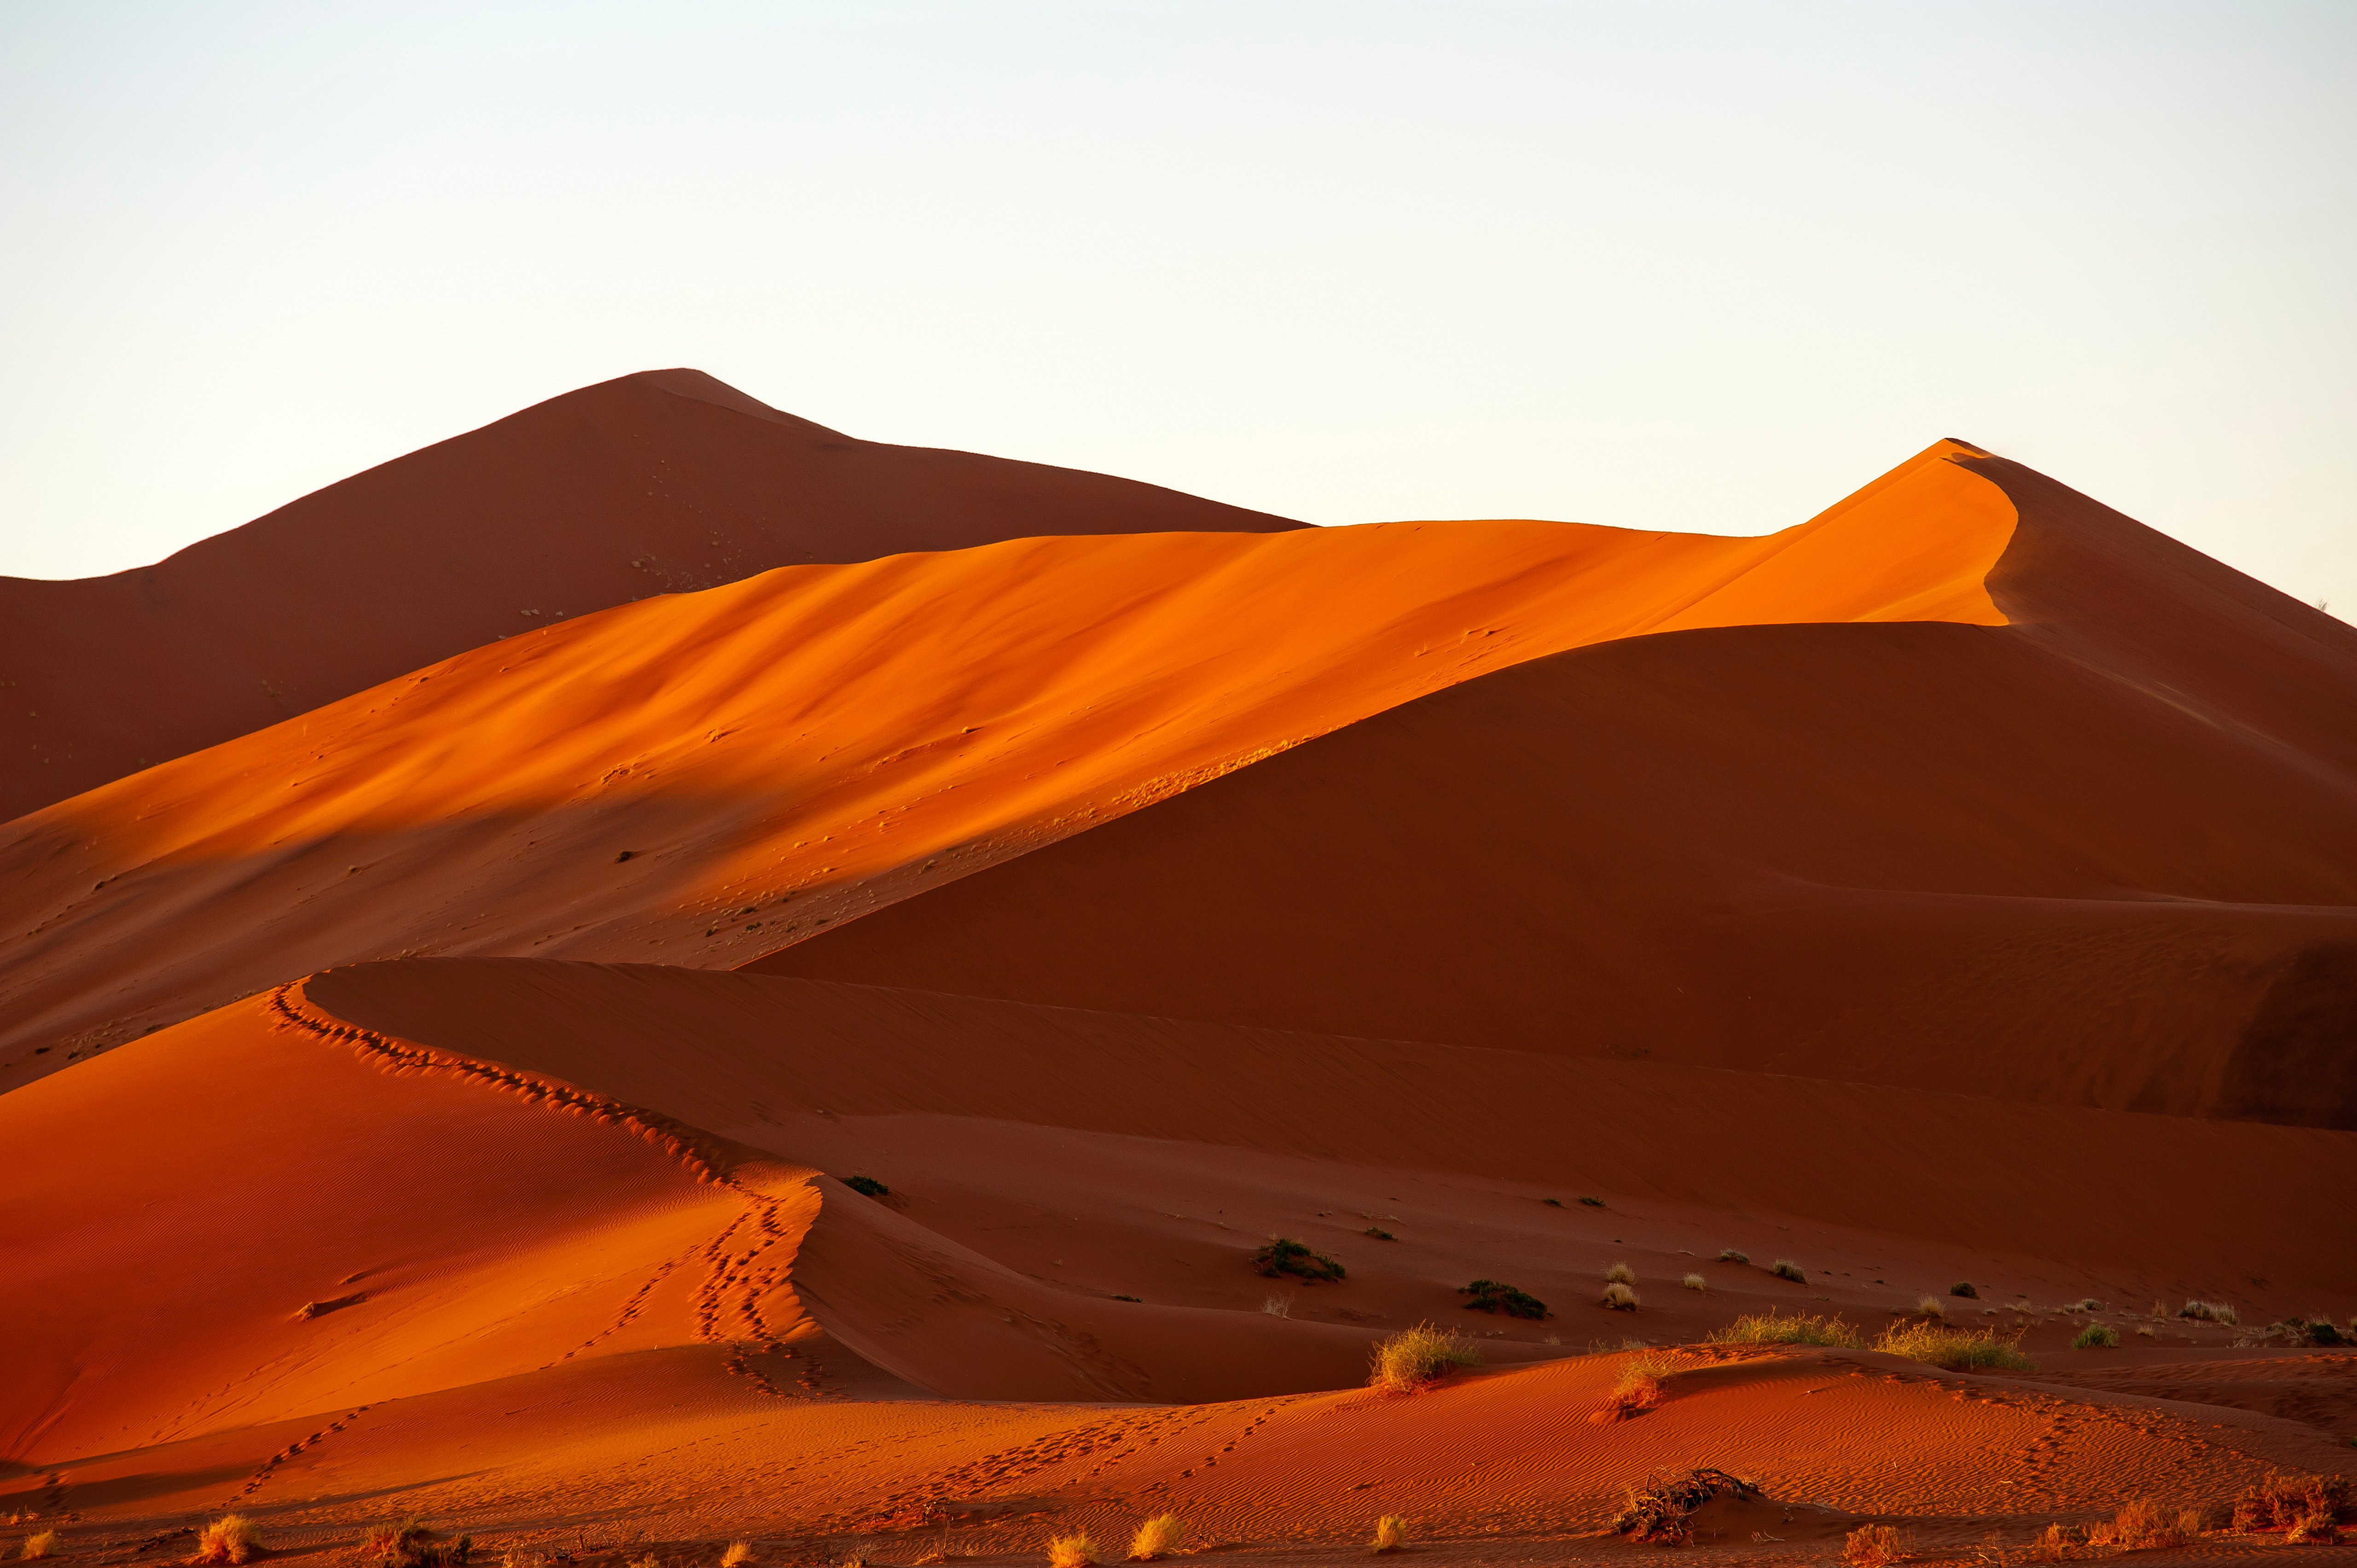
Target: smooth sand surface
point(778, 755)
point(660, 482)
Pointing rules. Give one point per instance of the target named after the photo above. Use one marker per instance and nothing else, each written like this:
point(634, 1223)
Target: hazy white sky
point(1654, 264)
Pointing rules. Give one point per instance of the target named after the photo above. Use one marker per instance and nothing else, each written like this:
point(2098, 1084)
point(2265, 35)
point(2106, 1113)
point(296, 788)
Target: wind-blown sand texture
point(447, 1102)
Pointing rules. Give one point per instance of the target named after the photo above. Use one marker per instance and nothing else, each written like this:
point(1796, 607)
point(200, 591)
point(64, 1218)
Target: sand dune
point(687, 778)
point(654, 483)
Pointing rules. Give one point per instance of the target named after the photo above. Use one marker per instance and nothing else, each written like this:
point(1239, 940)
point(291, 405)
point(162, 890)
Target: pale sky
point(1656, 264)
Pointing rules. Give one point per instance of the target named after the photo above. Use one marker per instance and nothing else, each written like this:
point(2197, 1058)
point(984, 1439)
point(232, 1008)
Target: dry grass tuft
point(1620, 1274)
point(232, 1537)
point(1785, 1269)
point(1276, 1305)
point(2097, 1336)
point(1619, 1297)
point(1391, 1533)
point(1786, 1329)
point(1158, 1537)
point(1695, 1282)
point(1953, 1350)
point(1074, 1550)
point(740, 1553)
point(2057, 1542)
point(2308, 1506)
point(1640, 1387)
point(45, 1544)
point(1409, 1359)
point(2141, 1525)
point(1870, 1546)
point(1932, 1307)
point(2209, 1312)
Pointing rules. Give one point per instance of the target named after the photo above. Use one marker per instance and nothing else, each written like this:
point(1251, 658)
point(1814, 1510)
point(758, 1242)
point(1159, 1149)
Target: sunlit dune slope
point(653, 483)
point(685, 779)
point(2106, 854)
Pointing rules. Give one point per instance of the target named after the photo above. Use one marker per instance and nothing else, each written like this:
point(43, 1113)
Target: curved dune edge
point(781, 754)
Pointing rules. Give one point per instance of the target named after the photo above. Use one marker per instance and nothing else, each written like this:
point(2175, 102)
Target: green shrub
point(1380, 1234)
point(2096, 1336)
point(1593, 1202)
point(1964, 1288)
point(1489, 1295)
point(865, 1186)
point(1285, 1255)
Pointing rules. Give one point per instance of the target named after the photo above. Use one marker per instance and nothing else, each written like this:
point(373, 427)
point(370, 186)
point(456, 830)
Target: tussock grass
point(44, 1544)
point(1074, 1550)
point(1785, 1269)
point(1391, 1533)
point(1276, 1305)
point(1786, 1329)
point(740, 1553)
point(232, 1537)
point(2209, 1312)
point(1409, 1359)
point(1158, 1537)
point(1870, 1546)
point(1953, 1349)
point(2097, 1336)
point(1620, 1274)
point(2140, 1525)
point(1695, 1282)
point(1619, 1297)
point(1638, 1388)
point(1729, 1255)
point(1932, 1307)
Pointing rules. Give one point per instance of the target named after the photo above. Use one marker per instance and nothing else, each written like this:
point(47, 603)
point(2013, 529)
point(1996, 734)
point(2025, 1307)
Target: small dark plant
point(1592, 1202)
point(1489, 1295)
point(410, 1544)
point(1964, 1288)
point(1552, 1202)
point(1380, 1234)
point(1284, 1255)
point(865, 1186)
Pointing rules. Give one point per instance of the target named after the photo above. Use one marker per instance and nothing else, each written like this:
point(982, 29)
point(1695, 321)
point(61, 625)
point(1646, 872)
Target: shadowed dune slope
point(653, 483)
point(2105, 859)
point(682, 779)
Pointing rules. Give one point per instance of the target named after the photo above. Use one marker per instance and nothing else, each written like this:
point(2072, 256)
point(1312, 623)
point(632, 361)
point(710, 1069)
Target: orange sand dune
point(772, 756)
point(2106, 861)
point(653, 483)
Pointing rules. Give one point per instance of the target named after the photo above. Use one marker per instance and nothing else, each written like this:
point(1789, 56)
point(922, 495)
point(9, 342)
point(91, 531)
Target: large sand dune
point(654, 483)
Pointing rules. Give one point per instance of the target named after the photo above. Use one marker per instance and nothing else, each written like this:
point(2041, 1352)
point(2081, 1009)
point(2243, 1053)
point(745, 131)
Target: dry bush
point(2209, 1312)
point(1276, 1305)
point(1620, 1274)
point(44, 1544)
point(1074, 1550)
point(1786, 1329)
point(2141, 1524)
point(2060, 1542)
point(1695, 1282)
point(1158, 1537)
point(740, 1553)
point(1657, 1511)
point(1953, 1350)
point(1391, 1533)
point(1870, 1546)
point(2147, 1331)
point(1932, 1307)
point(1619, 1297)
point(1640, 1387)
point(1729, 1255)
point(1284, 1255)
point(1785, 1269)
point(2097, 1336)
point(2309, 1506)
point(410, 1544)
point(232, 1537)
point(1409, 1359)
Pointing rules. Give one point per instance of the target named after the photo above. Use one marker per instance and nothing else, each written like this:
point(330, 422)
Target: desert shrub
point(1284, 1255)
point(1489, 1295)
point(2140, 1525)
point(740, 1553)
point(2096, 1336)
point(2285, 1500)
point(2209, 1312)
point(2057, 1542)
point(1870, 1546)
point(232, 1537)
point(1158, 1537)
point(1964, 1288)
point(1391, 1533)
point(866, 1186)
point(1622, 1273)
point(1932, 1307)
point(1408, 1360)
point(1729, 1255)
point(1786, 1329)
point(1593, 1202)
point(44, 1544)
point(2085, 1303)
point(1785, 1269)
point(1619, 1297)
point(1695, 1282)
point(1954, 1350)
point(1380, 1234)
point(2321, 1331)
point(1074, 1550)
point(1657, 1511)
point(1638, 1388)
point(410, 1544)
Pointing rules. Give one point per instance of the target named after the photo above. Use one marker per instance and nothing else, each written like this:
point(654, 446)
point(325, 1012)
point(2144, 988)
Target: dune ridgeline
point(728, 982)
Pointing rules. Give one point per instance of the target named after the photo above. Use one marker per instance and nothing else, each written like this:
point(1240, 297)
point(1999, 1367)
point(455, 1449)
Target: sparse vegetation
point(2307, 1506)
point(39, 1545)
point(1870, 1546)
point(1391, 1533)
point(1964, 1288)
point(2209, 1312)
point(1785, 1269)
point(232, 1537)
point(2140, 1525)
point(1619, 1297)
point(1592, 1202)
point(1932, 1307)
point(1787, 1329)
point(1284, 1255)
point(1489, 1296)
point(410, 1544)
point(1622, 1273)
point(1074, 1550)
point(1953, 1349)
point(1657, 1511)
point(1409, 1359)
point(1276, 1305)
point(2097, 1336)
point(1158, 1537)
point(866, 1186)
point(1729, 1255)
point(1695, 1282)
point(1640, 1387)
point(740, 1553)
point(2057, 1542)
point(1380, 1234)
